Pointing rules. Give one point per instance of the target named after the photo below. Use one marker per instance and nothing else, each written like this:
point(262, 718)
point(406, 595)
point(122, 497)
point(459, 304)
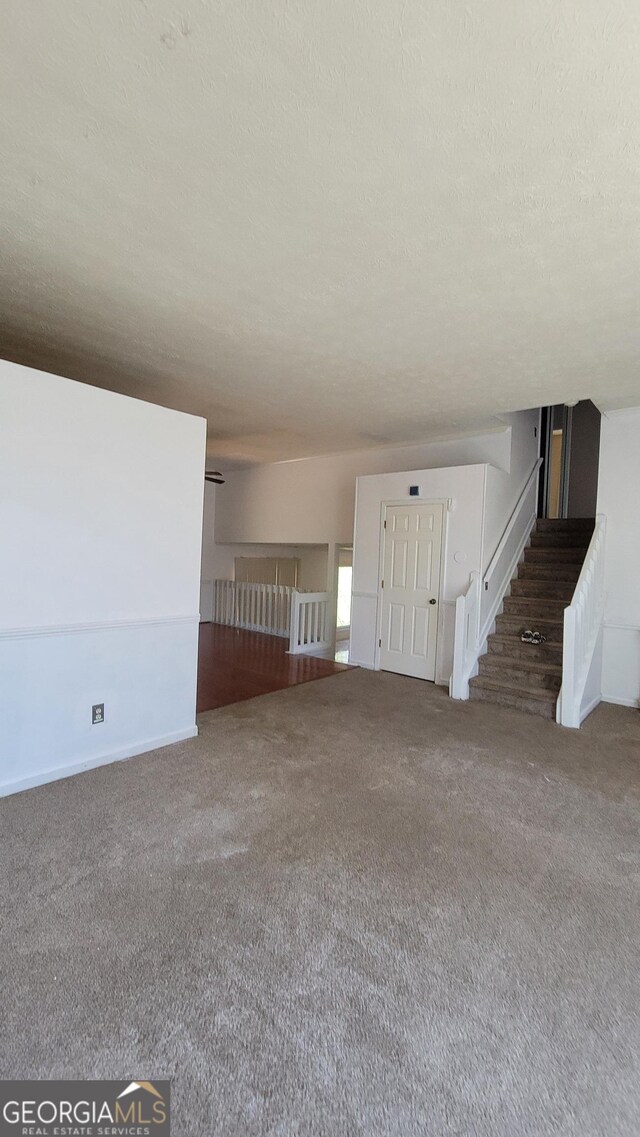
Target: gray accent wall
point(584, 460)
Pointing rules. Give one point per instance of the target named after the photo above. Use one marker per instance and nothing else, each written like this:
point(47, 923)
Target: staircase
point(529, 676)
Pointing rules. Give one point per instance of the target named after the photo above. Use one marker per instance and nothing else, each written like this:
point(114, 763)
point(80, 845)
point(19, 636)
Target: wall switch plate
point(97, 713)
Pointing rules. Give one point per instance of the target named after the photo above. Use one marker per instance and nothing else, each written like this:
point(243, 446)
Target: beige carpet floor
point(352, 907)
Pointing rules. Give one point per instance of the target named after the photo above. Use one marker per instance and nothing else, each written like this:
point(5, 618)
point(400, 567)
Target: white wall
point(312, 500)
point(504, 485)
point(313, 561)
point(503, 488)
point(218, 559)
point(462, 549)
point(100, 523)
point(619, 500)
point(583, 459)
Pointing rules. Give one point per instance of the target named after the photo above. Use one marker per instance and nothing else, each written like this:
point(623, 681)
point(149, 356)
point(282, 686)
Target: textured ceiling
point(324, 225)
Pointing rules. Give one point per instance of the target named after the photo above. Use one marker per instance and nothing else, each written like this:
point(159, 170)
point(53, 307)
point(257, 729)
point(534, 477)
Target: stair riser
point(517, 672)
point(533, 607)
point(544, 653)
point(536, 554)
point(514, 625)
point(543, 709)
point(528, 677)
point(559, 541)
point(565, 525)
point(541, 570)
point(543, 588)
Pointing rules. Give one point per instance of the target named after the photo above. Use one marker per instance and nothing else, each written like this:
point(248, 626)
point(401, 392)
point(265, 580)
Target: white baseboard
point(326, 654)
point(54, 775)
point(586, 711)
point(620, 702)
point(357, 663)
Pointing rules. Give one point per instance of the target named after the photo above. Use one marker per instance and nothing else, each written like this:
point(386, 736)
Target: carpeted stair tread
point(545, 709)
point(565, 524)
point(546, 554)
point(499, 684)
point(531, 606)
point(559, 541)
point(536, 702)
point(543, 589)
point(522, 665)
point(542, 622)
point(514, 624)
point(524, 675)
point(512, 647)
point(549, 570)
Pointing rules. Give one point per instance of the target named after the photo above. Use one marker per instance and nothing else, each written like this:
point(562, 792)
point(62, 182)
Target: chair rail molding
point(96, 626)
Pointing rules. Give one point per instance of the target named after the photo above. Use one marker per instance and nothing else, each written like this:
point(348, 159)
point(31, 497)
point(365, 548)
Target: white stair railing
point(582, 624)
point(499, 572)
point(310, 625)
point(256, 607)
point(477, 609)
point(465, 645)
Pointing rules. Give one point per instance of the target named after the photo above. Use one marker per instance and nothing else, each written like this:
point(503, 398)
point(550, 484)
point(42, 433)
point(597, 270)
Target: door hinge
point(385, 524)
point(379, 643)
point(382, 584)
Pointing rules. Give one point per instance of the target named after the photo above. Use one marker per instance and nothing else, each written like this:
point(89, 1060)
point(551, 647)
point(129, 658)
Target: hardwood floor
point(234, 664)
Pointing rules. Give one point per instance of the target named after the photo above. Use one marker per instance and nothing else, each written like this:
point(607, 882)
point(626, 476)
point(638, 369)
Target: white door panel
point(412, 538)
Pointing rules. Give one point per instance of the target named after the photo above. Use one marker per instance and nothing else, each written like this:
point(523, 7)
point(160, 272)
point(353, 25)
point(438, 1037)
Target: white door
point(412, 536)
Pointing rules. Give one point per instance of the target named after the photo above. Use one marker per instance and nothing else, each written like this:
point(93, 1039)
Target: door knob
point(432, 601)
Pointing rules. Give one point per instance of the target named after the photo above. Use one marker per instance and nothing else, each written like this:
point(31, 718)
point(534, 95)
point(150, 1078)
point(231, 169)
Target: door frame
point(336, 567)
point(447, 506)
point(565, 460)
point(567, 431)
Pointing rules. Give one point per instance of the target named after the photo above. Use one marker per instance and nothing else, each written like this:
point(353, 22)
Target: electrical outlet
point(97, 713)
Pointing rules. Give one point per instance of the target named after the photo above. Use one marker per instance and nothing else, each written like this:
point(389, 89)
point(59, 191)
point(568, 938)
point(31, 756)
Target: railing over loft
point(277, 609)
point(256, 607)
point(310, 626)
point(582, 624)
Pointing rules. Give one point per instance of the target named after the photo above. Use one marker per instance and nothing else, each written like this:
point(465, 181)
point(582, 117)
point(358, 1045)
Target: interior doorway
point(343, 607)
point(570, 448)
point(558, 456)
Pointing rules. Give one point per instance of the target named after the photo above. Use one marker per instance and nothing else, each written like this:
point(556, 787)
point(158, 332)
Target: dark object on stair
point(527, 673)
point(529, 637)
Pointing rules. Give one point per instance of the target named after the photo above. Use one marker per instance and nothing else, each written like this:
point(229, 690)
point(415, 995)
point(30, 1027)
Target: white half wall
point(100, 522)
point(463, 486)
point(619, 500)
point(218, 559)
